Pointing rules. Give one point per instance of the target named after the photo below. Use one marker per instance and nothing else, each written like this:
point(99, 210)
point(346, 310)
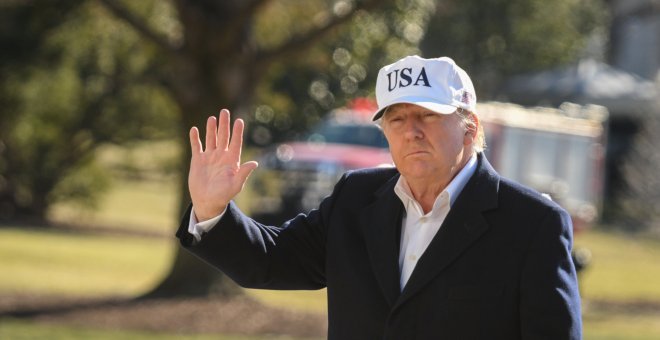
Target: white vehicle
point(560, 152)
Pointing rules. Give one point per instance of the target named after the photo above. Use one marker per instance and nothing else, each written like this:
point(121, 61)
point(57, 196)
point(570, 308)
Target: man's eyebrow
point(390, 111)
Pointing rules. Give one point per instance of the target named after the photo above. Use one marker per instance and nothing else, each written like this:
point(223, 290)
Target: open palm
point(216, 174)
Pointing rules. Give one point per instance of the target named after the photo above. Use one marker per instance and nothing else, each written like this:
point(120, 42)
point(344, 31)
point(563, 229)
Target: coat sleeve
point(550, 300)
point(290, 256)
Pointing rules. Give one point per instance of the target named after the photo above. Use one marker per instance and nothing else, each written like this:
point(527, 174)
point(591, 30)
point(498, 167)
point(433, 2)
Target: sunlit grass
point(622, 267)
point(304, 300)
point(129, 205)
point(22, 330)
point(146, 201)
point(49, 262)
point(608, 325)
point(143, 194)
point(625, 271)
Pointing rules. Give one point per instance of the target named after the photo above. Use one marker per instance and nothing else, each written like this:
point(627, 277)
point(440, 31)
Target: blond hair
point(468, 119)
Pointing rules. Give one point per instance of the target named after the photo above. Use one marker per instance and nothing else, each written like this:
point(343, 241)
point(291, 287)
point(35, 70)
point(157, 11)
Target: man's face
point(425, 145)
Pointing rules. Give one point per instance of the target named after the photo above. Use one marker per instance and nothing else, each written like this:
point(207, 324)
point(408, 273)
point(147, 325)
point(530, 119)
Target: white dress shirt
point(196, 229)
point(417, 228)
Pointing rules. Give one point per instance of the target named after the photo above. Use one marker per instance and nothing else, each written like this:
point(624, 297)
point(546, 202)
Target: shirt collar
point(453, 189)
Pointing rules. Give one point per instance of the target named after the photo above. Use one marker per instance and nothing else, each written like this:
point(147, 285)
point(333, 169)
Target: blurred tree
point(22, 30)
point(637, 207)
point(228, 53)
point(68, 85)
point(494, 39)
point(334, 71)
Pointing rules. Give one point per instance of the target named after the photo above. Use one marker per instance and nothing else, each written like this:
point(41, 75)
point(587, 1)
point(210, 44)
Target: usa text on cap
point(437, 84)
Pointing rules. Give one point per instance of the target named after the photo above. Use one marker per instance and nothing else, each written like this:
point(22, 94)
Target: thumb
point(246, 169)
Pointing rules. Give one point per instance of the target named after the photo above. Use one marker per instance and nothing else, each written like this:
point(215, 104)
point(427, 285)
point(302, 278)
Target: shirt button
point(423, 220)
point(413, 257)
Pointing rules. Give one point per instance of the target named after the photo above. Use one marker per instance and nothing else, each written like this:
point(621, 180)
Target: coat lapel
point(381, 225)
point(462, 227)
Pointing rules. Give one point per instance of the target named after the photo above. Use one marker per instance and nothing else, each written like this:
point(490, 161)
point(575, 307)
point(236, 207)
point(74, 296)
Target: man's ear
point(473, 127)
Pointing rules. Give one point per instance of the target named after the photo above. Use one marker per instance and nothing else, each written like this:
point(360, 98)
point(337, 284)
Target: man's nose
point(413, 129)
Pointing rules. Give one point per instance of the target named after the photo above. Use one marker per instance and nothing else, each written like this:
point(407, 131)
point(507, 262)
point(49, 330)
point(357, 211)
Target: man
point(440, 247)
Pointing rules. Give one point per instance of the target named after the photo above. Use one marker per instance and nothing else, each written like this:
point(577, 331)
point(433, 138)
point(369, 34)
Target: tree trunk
point(218, 66)
point(201, 96)
point(189, 275)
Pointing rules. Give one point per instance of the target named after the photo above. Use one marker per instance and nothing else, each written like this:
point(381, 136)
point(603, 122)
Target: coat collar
point(381, 224)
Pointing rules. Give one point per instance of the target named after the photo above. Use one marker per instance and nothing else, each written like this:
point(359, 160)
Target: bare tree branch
point(138, 24)
point(301, 42)
point(248, 12)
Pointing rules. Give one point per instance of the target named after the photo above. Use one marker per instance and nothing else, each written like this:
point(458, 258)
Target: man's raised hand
point(216, 175)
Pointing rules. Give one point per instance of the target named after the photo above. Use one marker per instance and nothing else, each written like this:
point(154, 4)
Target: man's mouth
point(416, 153)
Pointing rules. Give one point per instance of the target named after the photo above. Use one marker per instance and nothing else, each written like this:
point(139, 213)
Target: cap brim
point(444, 109)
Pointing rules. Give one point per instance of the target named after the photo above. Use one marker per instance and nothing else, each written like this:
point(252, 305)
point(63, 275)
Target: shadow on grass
point(236, 315)
point(630, 307)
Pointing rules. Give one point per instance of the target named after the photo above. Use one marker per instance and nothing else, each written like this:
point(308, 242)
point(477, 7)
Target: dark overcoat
point(499, 267)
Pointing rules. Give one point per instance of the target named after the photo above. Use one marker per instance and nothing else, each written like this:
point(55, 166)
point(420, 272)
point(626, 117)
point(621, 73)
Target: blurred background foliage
point(79, 74)
point(74, 79)
point(498, 38)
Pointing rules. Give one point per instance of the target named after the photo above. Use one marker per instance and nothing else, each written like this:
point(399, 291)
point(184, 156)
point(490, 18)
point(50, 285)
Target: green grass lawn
point(34, 261)
point(143, 194)
point(22, 330)
point(149, 206)
point(49, 262)
point(623, 267)
point(625, 272)
point(607, 325)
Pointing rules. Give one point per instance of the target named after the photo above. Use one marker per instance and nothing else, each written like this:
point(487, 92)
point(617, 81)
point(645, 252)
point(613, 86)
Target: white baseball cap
point(437, 84)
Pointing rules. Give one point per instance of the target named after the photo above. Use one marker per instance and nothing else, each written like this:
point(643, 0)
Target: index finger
point(195, 142)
